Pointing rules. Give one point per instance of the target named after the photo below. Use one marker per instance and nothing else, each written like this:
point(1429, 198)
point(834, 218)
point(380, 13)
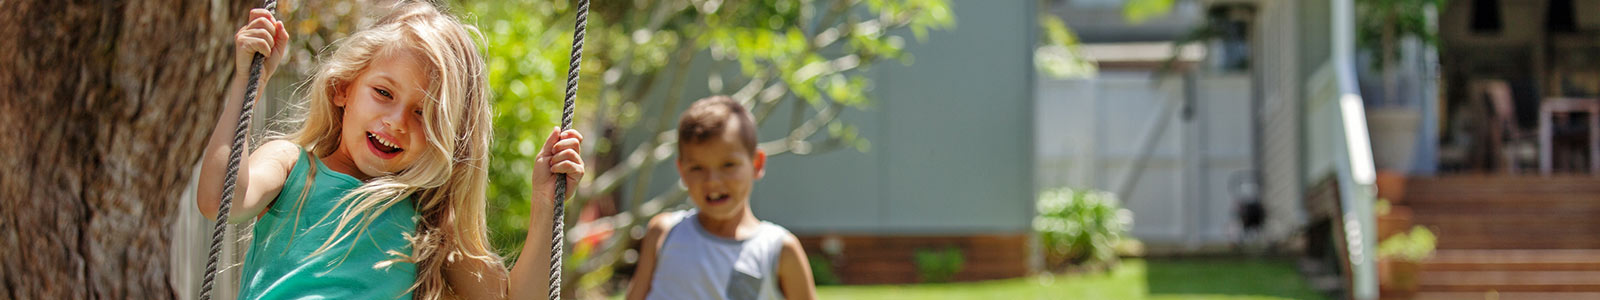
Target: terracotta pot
point(1397, 279)
point(1391, 186)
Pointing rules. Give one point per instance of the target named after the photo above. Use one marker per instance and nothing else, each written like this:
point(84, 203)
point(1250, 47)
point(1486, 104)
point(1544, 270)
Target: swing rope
point(558, 230)
point(232, 176)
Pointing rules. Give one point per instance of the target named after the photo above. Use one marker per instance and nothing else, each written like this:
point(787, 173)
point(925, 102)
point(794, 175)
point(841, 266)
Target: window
point(1486, 16)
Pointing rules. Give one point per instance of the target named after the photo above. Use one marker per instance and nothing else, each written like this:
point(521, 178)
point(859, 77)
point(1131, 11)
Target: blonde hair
point(449, 181)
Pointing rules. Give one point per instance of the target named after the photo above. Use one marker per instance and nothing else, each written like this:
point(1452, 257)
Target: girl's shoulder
point(282, 153)
point(274, 162)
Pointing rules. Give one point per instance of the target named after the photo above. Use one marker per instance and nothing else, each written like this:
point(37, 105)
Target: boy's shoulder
point(780, 230)
point(661, 223)
point(790, 241)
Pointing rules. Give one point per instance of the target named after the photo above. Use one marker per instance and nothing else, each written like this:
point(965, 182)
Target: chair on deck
point(1509, 144)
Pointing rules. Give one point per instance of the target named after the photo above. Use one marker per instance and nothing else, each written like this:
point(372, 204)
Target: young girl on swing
point(379, 194)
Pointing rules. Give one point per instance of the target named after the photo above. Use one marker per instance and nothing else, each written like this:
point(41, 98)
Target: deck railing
point(1339, 145)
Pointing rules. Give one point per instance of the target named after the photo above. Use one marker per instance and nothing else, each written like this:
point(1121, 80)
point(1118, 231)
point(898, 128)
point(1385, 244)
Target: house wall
point(1279, 113)
point(1316, 49)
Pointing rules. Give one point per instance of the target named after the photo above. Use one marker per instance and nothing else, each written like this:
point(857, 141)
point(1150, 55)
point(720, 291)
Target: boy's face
point(382, 118)
point(719, 173)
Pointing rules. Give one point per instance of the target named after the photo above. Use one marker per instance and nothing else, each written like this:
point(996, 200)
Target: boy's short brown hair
point(707, 118)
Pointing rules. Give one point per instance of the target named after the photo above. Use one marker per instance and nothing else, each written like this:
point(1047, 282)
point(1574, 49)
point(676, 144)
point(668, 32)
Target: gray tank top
point(693, 264)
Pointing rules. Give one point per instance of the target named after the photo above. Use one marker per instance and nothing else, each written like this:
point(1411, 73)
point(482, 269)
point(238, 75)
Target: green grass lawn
point(1206, 278)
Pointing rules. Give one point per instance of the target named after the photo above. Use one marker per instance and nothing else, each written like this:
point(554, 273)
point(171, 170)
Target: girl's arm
point(265, 35)
point(530, 278)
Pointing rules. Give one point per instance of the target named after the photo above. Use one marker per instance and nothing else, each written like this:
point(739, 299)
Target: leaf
point(1138, 11)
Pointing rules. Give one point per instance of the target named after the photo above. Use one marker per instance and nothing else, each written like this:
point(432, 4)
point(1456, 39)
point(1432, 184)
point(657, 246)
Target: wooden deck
point(1509, 237)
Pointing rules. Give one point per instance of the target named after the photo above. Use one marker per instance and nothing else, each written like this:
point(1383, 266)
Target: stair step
point(1498, 204)
point(1466, 233)
point(1509, 237)
point(1506, 295)
point(1493, 183)
point(1517, 242)
point(1507, 218)
point(1510, 281)
point(1514, 260)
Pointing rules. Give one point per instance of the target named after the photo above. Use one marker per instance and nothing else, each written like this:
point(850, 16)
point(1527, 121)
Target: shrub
point(1414, 246)
point(939, 265)
point(1080, 226)
point(822, 271)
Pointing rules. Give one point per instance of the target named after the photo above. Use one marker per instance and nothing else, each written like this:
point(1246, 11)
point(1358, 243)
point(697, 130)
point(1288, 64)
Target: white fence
point(1127, 133)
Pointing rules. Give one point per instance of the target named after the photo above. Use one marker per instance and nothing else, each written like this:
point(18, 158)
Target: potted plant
point(1394, 116)
point(1400, 258)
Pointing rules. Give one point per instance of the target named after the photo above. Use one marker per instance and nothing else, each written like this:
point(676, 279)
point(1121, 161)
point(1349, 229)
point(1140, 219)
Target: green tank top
point(277, 265)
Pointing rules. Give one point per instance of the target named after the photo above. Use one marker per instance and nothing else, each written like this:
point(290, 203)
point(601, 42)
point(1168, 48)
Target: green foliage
point(822, 271)
point(1415, 246)
point(525, 64)
point(938, 265)
point(1138, 11)
point(1380, 24)
point(1382, 207)
point(1080, 226)
point(1059, 56)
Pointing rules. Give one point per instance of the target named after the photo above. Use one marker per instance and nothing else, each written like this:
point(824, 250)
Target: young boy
point(719, 250)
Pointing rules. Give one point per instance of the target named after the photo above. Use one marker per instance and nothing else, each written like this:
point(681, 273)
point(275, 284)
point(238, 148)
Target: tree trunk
point(104, 107)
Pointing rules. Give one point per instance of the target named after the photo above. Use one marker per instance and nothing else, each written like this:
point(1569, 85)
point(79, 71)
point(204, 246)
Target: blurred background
point(921, 149)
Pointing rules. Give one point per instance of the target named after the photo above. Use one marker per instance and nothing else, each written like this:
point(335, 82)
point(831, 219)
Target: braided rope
point(235, 152)
point(558, 230)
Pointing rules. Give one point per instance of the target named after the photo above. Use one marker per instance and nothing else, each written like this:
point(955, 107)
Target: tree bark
point(104, 108)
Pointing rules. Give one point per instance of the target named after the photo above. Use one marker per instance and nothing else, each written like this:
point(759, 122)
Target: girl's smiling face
point(382, 131)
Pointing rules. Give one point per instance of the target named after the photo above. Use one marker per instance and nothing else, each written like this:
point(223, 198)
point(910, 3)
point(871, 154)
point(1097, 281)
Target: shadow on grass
point(1226, 278)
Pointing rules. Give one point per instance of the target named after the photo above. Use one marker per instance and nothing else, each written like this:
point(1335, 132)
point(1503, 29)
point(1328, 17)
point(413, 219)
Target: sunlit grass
point(1254, 279)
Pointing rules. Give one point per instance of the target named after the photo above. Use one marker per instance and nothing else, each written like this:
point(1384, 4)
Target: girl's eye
point(418, 112)
point(383, 93)
point(727, 165)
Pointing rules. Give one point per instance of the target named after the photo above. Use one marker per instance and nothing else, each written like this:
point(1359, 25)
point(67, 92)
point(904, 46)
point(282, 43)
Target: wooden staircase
point(1509, 237)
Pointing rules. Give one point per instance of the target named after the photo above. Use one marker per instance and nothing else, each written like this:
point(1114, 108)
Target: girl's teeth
point(381, 140)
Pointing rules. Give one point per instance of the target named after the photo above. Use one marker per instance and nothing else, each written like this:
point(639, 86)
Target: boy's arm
point(794, 271)
point(646, 270)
